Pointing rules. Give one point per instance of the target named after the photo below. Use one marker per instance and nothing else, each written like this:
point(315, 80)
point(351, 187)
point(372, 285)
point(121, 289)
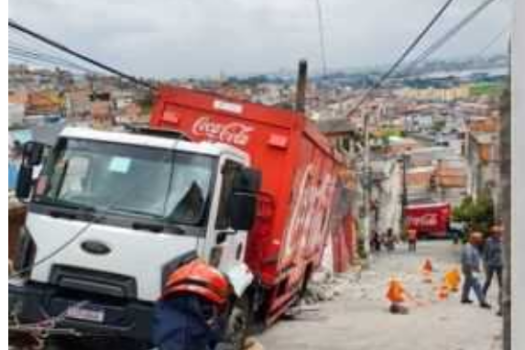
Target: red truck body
point(301, 186)
point(429, 220)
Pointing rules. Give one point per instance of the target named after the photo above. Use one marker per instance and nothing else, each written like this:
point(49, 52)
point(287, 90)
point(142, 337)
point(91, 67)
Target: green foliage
point(487, 89)
point(477, 214)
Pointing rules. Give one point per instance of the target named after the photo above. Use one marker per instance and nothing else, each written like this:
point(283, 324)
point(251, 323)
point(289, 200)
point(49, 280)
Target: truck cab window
point(228, 171)
point(126, 180)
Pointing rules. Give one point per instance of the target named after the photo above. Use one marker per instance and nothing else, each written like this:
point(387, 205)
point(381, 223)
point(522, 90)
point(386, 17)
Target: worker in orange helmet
point(192, 311)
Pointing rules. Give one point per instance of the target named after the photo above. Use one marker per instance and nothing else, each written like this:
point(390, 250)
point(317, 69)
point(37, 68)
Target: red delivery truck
point(429, 219)
point(253, 190)
point(300, 191)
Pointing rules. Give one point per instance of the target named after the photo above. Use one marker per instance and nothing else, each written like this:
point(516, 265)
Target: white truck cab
point(112, 214)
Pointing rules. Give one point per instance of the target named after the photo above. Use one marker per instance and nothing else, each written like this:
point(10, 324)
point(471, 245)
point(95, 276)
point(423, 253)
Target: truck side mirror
point(243, 202)
point(32, 156)
point(33, 153)
point(243, 210)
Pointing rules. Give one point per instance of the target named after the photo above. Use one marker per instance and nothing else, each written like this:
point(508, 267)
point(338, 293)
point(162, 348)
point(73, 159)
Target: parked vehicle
point(251, 189)
point(430, 220)
point(458, 231)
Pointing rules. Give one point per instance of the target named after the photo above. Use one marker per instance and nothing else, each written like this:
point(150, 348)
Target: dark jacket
point(493, 252)
point(186, 323)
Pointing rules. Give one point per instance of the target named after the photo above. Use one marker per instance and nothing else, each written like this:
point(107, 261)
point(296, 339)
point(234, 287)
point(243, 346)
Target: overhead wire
point(53, 43)
point(402, 58)
point(30, 47)
point(452, 32)
point(56, 61)
point(493, 41)
point(35, 53)
point(321, 30)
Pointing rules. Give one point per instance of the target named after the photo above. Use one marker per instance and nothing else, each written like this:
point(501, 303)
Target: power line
point(446, 37)
point(493, 41)
point(59, 46)
point(16, 51)
point(403, 56)
point(320, 23)
point(15, 46)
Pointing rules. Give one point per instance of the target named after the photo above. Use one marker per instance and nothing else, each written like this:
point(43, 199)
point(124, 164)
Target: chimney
point(302, 76)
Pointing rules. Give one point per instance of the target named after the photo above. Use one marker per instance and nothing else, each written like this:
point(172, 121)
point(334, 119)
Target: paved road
point(358, 318)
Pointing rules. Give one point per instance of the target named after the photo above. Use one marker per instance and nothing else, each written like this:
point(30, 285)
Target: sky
point(207, 38)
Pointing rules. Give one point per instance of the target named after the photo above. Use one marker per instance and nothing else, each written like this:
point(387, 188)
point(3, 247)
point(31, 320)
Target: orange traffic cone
point(396, 294)
point(426, 270)
point(452, 279)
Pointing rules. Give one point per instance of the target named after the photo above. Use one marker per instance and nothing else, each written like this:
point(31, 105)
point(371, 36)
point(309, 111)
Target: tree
point(477, 214)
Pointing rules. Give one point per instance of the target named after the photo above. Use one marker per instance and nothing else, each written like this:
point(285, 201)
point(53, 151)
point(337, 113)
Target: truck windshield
point(128, 180)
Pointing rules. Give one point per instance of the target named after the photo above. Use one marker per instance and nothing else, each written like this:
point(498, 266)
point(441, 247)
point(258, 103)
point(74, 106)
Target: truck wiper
point(157, 227)
point(68, 205)
point(147, 226)
point(74, 210)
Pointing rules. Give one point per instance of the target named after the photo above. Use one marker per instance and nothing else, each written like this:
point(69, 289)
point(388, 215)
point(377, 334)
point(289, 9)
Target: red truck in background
point(429, 220)
point(301, 194)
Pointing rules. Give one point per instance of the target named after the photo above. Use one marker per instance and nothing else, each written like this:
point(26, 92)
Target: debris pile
point(325, 285)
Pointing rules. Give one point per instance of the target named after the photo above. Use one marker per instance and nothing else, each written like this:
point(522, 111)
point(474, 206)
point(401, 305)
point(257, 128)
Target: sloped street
point(358, 317)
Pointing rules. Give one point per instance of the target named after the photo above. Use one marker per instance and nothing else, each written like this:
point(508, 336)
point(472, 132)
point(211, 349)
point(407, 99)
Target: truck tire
point(238, 324)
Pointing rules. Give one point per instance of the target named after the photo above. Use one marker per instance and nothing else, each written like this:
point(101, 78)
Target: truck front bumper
point(35, 302)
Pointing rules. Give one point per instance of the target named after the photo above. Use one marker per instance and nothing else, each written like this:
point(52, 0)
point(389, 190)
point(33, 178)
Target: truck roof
point(174, 101)
point(204, 147)
point(428, 205)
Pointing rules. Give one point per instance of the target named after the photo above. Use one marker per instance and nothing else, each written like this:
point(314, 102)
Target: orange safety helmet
point(198, 278)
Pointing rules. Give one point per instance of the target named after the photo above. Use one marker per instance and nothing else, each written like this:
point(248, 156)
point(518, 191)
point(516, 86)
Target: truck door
point(224, 245)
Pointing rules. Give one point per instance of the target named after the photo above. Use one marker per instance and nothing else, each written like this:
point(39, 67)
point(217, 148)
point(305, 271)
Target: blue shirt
point(470, 258)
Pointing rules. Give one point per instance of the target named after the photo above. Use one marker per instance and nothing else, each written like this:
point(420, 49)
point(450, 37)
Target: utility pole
point(404, 194)
point(366, 185)
point(505, 210)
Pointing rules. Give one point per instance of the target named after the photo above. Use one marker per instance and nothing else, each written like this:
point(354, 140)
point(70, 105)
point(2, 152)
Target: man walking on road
point(412, 240)
point(492, 255)
point(493, 258)
point(470, 264)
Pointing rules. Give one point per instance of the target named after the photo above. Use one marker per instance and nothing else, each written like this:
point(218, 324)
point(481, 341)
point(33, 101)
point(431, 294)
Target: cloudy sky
point(184, 38)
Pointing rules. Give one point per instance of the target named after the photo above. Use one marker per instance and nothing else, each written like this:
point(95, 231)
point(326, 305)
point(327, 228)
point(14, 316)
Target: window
point(229, 171)
point(153, 183)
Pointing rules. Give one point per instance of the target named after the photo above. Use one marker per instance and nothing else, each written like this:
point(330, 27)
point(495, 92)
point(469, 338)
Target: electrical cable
point(59, 46)
point(321, 30)
point(51, 60)
point(403, 56)
point(446, 37)
point(20, 48)
point(493, 41)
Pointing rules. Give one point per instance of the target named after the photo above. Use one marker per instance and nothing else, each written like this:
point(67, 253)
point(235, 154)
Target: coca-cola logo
point(424, 220)
point(233, 133)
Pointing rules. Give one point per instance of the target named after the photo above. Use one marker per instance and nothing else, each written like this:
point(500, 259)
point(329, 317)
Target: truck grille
point(92, 281)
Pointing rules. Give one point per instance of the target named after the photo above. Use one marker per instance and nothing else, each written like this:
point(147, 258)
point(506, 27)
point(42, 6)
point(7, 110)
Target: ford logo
point(95, 247)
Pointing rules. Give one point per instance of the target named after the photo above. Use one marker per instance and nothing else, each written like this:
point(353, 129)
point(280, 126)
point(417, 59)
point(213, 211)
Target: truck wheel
point(238, 323)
